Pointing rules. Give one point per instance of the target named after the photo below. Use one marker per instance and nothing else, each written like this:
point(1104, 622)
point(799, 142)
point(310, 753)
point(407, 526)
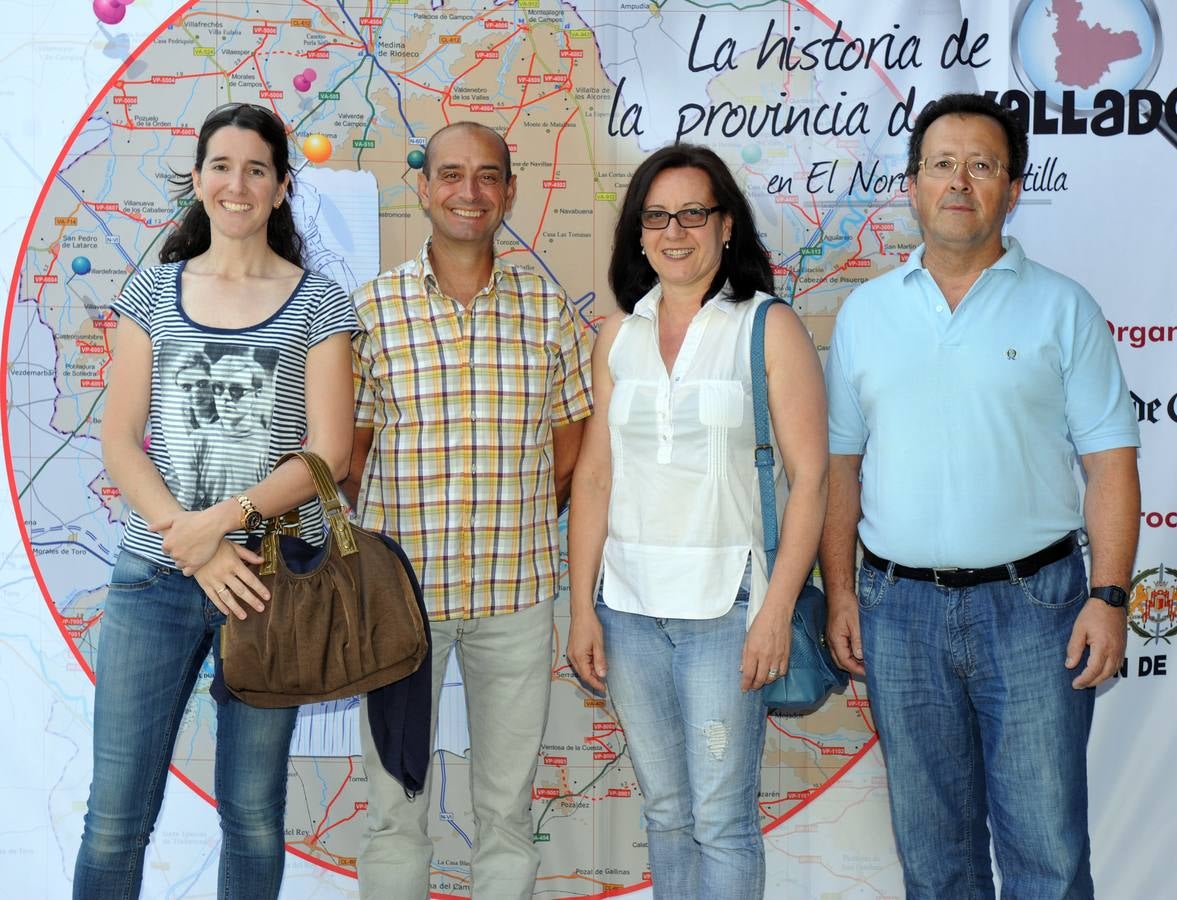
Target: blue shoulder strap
point(765, 459)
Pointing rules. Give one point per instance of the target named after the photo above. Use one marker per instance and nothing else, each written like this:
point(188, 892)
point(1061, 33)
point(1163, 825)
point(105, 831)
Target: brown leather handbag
point(342, 619)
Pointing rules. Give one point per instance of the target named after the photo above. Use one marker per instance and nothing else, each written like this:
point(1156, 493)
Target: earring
point(278, 205)
point(727, 245)
point(643, 251)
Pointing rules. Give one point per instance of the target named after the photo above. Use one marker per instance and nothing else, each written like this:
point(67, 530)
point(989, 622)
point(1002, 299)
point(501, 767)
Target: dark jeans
point(977, 718)
point(157, 628)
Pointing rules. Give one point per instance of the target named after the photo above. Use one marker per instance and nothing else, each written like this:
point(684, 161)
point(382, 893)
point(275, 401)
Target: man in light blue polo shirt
point(962, 386)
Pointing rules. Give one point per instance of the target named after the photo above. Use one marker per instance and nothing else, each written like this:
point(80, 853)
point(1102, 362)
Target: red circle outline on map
point(26, 540)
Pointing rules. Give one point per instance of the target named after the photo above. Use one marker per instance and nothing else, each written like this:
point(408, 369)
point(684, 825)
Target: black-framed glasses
point(235, 391)
point(690, 217)
point(980, 168)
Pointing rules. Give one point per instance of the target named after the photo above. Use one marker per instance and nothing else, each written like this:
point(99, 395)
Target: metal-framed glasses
point(690, 217)
point(980, 168)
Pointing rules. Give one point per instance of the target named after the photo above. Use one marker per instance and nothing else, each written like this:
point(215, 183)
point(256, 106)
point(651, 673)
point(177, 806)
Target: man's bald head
point(471, 127)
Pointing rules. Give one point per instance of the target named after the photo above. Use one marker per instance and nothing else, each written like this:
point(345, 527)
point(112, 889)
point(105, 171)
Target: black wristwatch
point(1113, 595)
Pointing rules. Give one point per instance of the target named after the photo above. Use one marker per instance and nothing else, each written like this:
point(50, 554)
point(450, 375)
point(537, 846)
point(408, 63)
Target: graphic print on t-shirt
point(218, 403)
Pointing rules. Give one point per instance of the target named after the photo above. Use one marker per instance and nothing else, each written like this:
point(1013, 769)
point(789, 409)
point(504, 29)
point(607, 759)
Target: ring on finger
point(222, 590)
point(773, 673)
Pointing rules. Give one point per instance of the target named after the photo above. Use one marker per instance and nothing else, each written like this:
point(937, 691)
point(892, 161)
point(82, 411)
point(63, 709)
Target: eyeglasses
point(691, 217)
point(980, 168)
point(235, 391)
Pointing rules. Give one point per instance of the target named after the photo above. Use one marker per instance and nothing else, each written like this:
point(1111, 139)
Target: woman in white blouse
point(672, 606)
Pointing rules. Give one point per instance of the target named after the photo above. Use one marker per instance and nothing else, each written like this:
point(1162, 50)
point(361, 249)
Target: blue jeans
point(156, 631)
point(696, 741)
point(977, 719)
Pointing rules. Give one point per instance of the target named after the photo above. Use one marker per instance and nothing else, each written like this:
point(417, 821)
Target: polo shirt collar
point(1012, 259)
point(1014, 255)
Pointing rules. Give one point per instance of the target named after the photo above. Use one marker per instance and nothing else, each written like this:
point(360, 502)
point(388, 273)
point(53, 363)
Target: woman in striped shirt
point(228, 355)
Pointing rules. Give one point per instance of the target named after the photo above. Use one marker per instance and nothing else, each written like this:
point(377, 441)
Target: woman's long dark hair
point(192, 235)
point(744, 262)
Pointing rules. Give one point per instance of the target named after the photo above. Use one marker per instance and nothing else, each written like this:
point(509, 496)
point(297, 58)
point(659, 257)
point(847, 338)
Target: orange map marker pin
point(316, 148)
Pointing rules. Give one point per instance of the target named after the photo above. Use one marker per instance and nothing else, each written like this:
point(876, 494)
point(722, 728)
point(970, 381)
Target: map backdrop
point(807, 101)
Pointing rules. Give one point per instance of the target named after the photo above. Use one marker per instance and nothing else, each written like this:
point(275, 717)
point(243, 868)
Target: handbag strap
point(328, 498)
point(765, 458)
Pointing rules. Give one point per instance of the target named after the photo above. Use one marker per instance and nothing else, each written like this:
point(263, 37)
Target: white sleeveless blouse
point(684, 509)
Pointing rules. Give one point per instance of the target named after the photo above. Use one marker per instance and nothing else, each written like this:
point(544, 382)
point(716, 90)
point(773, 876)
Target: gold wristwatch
point(251, 519)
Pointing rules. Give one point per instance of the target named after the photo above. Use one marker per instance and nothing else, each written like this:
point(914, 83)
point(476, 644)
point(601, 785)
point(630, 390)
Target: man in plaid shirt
point(472, 390)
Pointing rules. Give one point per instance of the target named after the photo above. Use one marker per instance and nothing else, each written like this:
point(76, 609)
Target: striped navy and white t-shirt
point(226, 403)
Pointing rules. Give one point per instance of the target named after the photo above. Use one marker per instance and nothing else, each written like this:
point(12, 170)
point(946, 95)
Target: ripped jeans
point(696, 741)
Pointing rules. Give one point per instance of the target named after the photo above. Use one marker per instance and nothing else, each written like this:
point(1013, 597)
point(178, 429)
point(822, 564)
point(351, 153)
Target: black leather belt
point(952, 577)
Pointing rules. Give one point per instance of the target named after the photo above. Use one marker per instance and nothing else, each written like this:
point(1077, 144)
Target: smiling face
point(467, 192)
point(237, 183)
point(960, 214)
point(685, 259)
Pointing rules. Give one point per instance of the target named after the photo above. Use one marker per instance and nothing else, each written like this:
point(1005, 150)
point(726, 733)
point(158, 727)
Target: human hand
point(766, 649)
point(228, 582)
point(1103, 630)
point(191, 538)
point(586, 650)
point(843, 632)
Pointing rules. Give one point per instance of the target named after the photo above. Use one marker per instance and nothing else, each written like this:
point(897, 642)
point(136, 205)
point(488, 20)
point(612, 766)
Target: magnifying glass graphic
point(1053, 51)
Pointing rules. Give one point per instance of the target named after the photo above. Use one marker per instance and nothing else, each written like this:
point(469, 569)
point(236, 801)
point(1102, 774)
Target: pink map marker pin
point(309, 74)
point(301, 83)
point(110, 12)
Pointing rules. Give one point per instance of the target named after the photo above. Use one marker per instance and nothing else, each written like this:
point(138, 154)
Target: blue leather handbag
point(812, 672)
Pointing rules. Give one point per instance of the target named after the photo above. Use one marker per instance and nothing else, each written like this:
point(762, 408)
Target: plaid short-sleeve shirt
point(462, 401)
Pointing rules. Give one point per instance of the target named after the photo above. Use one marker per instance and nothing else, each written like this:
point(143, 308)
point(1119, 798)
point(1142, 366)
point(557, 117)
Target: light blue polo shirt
point(969, 422)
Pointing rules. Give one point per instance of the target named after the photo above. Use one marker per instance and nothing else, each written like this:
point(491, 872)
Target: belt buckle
point(936, 574)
